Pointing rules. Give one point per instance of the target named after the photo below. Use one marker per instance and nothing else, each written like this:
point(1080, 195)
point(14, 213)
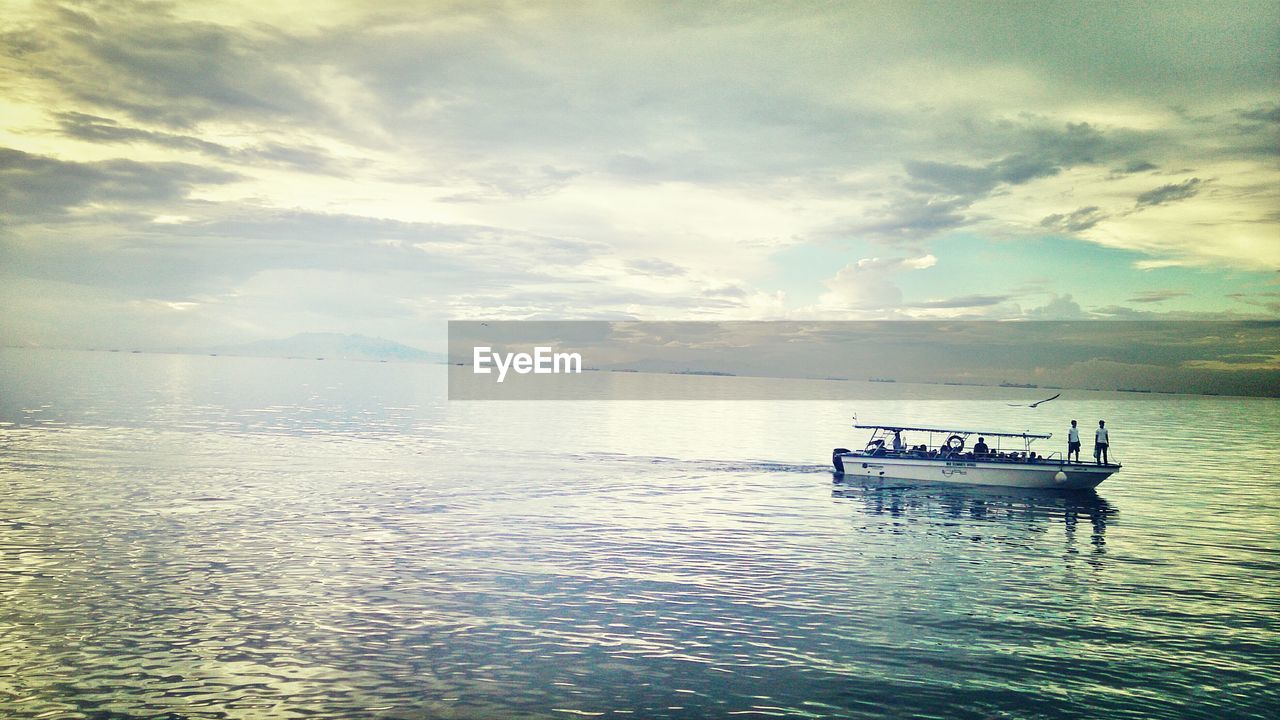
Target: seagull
point(1038, 402)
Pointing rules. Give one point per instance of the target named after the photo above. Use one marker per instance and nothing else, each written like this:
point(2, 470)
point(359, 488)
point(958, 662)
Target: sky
point(192, 174)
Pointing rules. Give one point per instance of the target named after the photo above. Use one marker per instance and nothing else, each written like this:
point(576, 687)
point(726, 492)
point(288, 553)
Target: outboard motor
point(837, 460)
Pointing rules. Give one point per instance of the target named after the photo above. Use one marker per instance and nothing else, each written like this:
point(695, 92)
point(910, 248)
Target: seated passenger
point(981, 448)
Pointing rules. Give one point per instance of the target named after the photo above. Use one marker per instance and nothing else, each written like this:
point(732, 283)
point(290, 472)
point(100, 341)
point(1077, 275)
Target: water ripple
point(330, 560)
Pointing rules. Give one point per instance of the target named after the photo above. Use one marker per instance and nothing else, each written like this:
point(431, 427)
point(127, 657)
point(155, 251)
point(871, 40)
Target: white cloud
point(866, 287)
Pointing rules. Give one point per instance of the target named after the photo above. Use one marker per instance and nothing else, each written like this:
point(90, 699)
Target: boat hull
point(1061, 476)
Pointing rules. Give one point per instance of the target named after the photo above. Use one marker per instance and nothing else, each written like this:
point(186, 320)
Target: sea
point(187, 536)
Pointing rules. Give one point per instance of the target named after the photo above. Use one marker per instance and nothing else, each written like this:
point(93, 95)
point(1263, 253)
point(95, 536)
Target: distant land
point(328, 346)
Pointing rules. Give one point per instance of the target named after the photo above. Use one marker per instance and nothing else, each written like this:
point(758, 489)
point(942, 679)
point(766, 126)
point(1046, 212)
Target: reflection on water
point(243, 539)
point(1036, 509)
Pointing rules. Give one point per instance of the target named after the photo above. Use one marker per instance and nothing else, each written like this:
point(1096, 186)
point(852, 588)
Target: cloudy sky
point(213, 172)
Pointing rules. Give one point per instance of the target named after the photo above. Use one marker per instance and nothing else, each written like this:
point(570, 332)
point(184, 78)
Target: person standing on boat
point(1073, 442)
point(1100, 443)
point(981, 448)
point(898, 444)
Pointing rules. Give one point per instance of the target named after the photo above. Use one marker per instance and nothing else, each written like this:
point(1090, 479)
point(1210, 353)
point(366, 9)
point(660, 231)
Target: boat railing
point(1053, 458)
point(1057, 458)
point(935, 454)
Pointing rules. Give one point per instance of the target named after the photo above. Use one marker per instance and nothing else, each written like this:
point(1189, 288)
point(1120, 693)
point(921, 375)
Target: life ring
point(955, 443)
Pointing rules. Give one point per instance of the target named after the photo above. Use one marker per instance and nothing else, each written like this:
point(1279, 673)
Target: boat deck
point(1000, 458)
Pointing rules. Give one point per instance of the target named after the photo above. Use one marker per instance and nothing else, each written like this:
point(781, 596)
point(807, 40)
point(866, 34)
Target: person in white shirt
point(1100, 443)
point(1073, 442)
point(898, 444)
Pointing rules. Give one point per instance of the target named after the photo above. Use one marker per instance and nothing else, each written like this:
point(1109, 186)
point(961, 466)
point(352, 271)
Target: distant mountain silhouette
point(330, 346)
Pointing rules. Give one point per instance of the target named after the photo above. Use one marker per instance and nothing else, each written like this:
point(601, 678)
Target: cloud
point(540, 159)
point(1170, 193)
point(942, 196)
point(967, 181)
point(909, 218)
point(654, 266)
point(1134, 166)
point(1060, 307)
point(1126, 313)
point(36, 187)
point(951, 178)
point(965, 301)
point(1157, 296)
point(867, 285)
point(96, 129)
point(1076, 221)
point(1263, 114)
point(1269, 301)
point(142, 60)
point(219, 247)
point(99, 129)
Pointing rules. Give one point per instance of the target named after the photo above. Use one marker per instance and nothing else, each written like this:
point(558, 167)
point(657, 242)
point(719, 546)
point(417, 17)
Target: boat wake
point(708, 465)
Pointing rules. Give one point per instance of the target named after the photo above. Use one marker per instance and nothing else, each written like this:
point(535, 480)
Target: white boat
point(949, 461)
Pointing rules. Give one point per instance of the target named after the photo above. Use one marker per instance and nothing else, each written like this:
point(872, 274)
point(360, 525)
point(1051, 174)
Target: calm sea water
point(201, 537)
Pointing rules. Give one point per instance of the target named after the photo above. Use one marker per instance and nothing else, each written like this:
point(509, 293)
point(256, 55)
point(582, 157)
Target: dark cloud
point(1079, 143)
point(968, 181)
point(655, 267)
point(1170, 193)
point(1134, 166)
point(1126, 313)
point(1270, 115)
point(1076, 221)
point(300, 157)
point(966, 301)
point(911, 218)
point(951, 178)
point(727, 291)
point(36, 187)
point(939, 194)
point(137, 58)
point(92, 128)
point(1021, 168)
point(1269, 301)
point(1156, 296)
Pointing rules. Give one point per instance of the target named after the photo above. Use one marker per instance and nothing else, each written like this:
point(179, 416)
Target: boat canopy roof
point(958, 431)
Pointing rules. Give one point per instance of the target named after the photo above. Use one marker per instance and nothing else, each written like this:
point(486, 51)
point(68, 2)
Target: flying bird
point(1038, 402)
